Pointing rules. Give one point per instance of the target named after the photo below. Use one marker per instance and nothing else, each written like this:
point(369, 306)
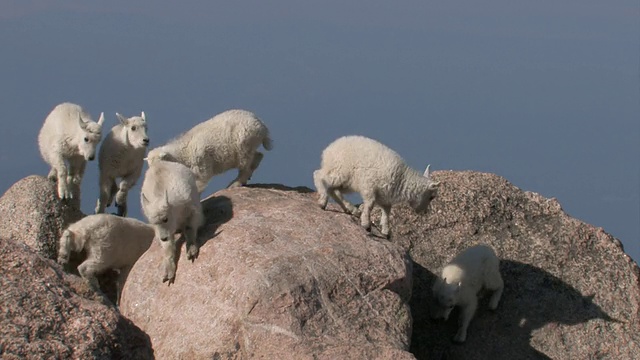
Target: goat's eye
point(164, 220)
point(86, 139)
point(133, 128)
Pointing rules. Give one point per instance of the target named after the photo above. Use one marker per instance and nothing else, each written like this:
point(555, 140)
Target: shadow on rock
point(532, 299)
point(299, 189)
point(217, 211)
point(133, 342)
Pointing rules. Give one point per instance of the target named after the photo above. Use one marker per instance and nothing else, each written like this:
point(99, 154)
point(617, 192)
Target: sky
point(545, 93)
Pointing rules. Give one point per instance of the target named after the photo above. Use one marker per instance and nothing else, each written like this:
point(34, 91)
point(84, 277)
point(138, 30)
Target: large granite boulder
point(276, 278)
point(32, 213)
point(570, 290)
point(48, 314)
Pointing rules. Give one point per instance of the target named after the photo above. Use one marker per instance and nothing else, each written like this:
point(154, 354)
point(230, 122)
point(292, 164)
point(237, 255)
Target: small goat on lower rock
point(462, 278)
point(111, 243)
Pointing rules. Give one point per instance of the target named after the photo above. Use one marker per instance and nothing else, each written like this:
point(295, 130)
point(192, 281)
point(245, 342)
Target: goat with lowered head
point(171, 203)
point(121, 156)
point(377, 173)
point(227, 141)
point(111, 243)
point(67, 140)
point(473, 269)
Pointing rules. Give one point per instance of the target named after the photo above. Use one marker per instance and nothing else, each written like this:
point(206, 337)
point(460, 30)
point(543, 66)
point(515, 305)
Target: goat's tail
point(267, 143)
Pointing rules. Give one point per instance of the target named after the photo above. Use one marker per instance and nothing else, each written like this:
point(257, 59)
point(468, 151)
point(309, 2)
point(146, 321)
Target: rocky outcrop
point(276, 278)
point(570, 290)
point(48, 314)
point(279, 278)
point(32, 213)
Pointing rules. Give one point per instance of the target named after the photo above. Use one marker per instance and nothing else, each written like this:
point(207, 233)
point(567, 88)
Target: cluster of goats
point(179, 171)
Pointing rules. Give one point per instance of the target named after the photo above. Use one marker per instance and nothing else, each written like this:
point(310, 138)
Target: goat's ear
point(143, 116)
point(163, 156)
point(83, 125)
point(426, 172)
point(68, 233)
point(101, 119)
point(434, 185)
point(122, 119)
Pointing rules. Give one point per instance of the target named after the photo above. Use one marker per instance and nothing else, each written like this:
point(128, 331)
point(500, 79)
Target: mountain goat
point(471, 270)
point(171, 202)
point(377, 173)
point(111, 243)
point(121, 156)
point(229, 140)
point(69, 136)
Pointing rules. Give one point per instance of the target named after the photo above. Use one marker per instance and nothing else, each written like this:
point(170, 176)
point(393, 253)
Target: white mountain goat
point(111, 243)
point(377, 173)
point(471, 270)
point(227, 141)
point(171, 202)
point(67, 140)
point(121, 156)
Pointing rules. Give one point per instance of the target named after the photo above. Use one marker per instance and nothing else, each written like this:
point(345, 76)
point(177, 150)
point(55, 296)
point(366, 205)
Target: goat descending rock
point(121, 156)
point(227, 141)
point(377, 173)
point(111, 243)
point(462, 278)
point(67, 140)
point(171, 202)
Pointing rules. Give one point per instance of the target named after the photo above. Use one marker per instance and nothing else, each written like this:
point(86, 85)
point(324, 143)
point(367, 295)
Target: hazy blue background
point(544, 93)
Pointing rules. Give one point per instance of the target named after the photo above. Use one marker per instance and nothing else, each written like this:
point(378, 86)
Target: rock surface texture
point(32, 213)
point(570, 290)
point(276, 278)
point(48, 314)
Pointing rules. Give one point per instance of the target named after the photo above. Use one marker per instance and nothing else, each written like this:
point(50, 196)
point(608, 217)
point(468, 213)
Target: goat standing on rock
point(67, 140)
point(377, 173)
point(227, 141)
point(121, 156)
point(111, 243)
point(171, 202)
point(473, 269)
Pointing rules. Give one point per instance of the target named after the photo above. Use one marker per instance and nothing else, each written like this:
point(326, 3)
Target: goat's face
point(164, 225)
point(446, 298)
point(88, 138)
point(160, 215)
point(421, 205)
point(135, 129)
point(428, 191)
